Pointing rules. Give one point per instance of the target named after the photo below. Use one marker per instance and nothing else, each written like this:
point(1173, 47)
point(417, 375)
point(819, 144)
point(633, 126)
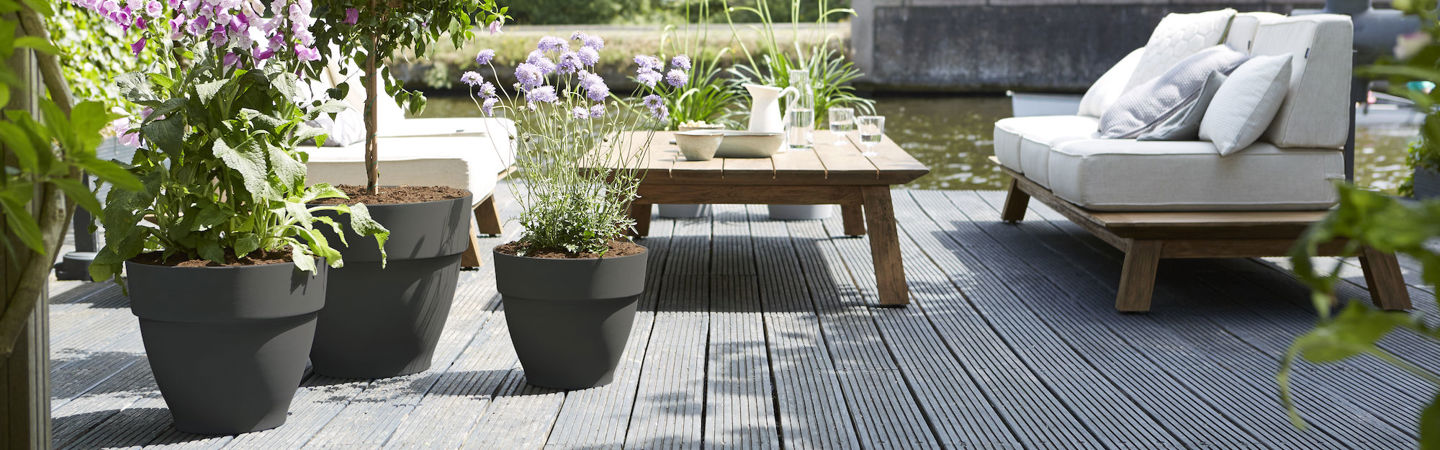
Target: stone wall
point(998, 45)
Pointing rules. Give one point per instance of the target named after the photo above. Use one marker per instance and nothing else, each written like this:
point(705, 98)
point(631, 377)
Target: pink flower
point(352, 16)
point(495, 27)
point(154, 8)
point(138, 46)
point(307, 54)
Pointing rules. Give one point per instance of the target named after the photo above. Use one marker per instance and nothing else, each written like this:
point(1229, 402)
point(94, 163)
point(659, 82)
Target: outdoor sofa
point(1157, 199)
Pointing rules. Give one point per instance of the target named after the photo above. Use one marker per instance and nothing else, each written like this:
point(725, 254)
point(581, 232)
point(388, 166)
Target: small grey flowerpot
point(800, 212)
point(227, 345)
point(385, 322)
point(569, 318)
point(1427, 183)
point(685, 211)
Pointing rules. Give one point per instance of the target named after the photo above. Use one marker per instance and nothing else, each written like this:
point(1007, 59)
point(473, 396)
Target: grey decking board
point(739, 410)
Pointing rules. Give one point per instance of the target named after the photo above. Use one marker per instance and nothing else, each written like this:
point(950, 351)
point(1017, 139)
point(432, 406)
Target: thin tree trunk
point(372, 116)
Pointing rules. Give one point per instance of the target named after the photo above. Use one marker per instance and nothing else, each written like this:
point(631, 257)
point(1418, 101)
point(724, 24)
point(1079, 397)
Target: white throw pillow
point(1177, 37)
point(1246, 103)
point(1108, 88)
point(1148, 105)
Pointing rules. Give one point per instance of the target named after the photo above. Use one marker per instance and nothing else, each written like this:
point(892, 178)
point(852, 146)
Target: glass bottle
point(800, 112)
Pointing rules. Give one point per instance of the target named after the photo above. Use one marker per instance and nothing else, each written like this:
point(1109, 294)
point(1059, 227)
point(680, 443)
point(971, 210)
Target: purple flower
point(569, 62)
point(649, 63)
point(539, 60)
point(261, 54)
point(198, 26)
point(597, 111)
point(544, 94)
point(495, 27)
point(352, 16)
point(552, 44)
point(676, 78)
point(488, 106)
point(579, 36)
point(648, 78)
point(138, 46)
point(580, 112)
point(218, 37)
point(681, 62)
point(653, 101)
point(231, 59)
point(472, 79)
point(529, 75)
point(597, 92)
point(594, 42)
point(487, 90)
point(588, 56)
point(154, 8)
point(484, 57)
point(307, 54)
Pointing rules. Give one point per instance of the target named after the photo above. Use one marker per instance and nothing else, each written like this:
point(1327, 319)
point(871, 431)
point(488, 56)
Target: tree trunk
point(372, 116)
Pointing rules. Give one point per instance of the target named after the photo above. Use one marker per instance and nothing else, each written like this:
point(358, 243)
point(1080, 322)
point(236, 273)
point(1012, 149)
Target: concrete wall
point(998, 45)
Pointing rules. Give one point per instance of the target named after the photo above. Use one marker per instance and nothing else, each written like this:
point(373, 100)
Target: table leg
point(885, 246)
point(854, 219)
point(641, 213)
point(1384, 279)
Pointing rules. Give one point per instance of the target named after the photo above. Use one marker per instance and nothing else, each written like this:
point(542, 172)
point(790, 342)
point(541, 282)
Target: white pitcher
point(765, 107)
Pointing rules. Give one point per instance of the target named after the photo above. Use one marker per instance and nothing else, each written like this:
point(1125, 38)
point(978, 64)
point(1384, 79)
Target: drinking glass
point(842, 120)
point(872, 128)
point(800, 128)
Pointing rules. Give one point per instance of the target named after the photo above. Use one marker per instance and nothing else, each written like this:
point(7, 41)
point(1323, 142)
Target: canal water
point(953, 135)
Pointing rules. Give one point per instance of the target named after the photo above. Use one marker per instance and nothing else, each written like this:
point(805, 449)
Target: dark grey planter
point(385, 322)
point(569, 318)
point(1427, 183)
point(227, 345)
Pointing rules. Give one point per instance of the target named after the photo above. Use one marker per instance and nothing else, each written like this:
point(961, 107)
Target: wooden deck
point(756, 333)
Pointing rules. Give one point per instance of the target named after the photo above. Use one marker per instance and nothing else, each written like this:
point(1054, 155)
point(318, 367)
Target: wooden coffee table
point(830, 174)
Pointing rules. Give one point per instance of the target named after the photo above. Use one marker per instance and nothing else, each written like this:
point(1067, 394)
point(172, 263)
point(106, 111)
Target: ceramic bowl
point(698, 145)
point(702, 127)
point(750, 144)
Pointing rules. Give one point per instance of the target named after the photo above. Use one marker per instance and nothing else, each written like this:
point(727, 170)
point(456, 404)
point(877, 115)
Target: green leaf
point(88, 119)
point(290, 171)
point(167, 134)
point(207, 91)
point(1430, 425)
point(364, 225)
point(23, 225)
point(302, 261)
point(18, 142)
point(79, 193)
point(135, 86)
point(210, 250)
point(212, 215)
point(112, 173)
point(59, 125)
point(38, 44)
point(249, 162)
point(245, 243)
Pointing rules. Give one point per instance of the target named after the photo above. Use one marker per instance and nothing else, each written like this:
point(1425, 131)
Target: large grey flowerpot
point(569, 318)
point(684, 211)
point(800, 212)
point(227, 345)
point(1427, 183)
point(384, 322)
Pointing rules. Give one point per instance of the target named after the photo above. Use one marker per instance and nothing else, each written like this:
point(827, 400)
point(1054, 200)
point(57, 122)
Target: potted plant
point(569, 285)
point(385, 318)
point(1411, 74)
point(227, 269)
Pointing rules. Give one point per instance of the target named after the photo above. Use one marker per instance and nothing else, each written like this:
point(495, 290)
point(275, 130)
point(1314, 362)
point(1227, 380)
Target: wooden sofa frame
point(1148, 237)
point(487, 222)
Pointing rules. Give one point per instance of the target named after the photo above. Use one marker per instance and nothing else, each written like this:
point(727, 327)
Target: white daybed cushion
point(1246, 103)
point(1128, 175)
point(1243, 26)
point(1316, 111)
point(464, 162)
point(1144, 107)
point(1108, 88)
point(1177, 37)
point(1040, 129)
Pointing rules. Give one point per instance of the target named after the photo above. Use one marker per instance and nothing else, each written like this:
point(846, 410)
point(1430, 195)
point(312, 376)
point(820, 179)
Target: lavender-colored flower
point(653, 101)
point(538, 59)
point(488, 106)
point(529, 75)
point(352, 16)
point(579, 36)
point(552, 44)
point(487, 90)
point(494, 27)
point(307, 54)
point(580, 112)
point(597, 92)
point(138, 46)
point(484, 57)
point(588, 56)
point(471, 79)
point(681, 62)
point(543, 94)
point(649, 63)
point(231, 59)
point(648, 78)
point(154, 8)
point(594, 42)
point(569, 62)
point(597, 111)
point(676, 78)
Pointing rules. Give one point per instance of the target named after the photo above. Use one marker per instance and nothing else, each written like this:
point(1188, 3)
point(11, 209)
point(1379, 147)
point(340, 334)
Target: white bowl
point(702, 126)
point(750, 144)
point(698, 145)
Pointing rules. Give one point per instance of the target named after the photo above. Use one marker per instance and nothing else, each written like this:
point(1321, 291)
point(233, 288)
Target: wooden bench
point(1148, 237)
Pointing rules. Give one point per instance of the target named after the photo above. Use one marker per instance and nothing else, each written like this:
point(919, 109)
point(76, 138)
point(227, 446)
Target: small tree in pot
point(570, 284)
point(384, 319)
point(220, 247)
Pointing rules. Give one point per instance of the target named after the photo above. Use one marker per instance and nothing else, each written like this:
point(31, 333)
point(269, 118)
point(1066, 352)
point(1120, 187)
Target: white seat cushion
point(1128, 175)
point(464, 162)
point(1043, 130)
point(1316, 111)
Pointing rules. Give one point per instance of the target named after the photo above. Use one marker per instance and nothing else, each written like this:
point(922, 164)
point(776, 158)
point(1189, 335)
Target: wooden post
point(1137, 278)
point(25, 373)
point(1015, 203)
point(885, 246)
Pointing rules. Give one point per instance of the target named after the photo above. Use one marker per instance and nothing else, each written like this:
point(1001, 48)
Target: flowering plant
point(579, 159)
point(223, 119)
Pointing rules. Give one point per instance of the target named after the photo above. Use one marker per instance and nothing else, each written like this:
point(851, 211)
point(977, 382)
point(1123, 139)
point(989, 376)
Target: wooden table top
point(827, 164)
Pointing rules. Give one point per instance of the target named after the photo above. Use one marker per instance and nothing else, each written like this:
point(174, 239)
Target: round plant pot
point(227, 345)
point(569, 318)
point(1427, 183)
point(800, 212)
point(385, 321)
point(684, 211)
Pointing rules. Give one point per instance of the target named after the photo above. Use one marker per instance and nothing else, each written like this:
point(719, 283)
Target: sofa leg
point(1015, 203)
point(471, 258)
point(487, 217)
point(1383, 278)
point(1137, 279)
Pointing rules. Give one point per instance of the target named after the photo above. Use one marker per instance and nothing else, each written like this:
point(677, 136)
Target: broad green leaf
point(59, 125)
point(249, 162)
point(38, 44)
point(167, 134)
point(302, 261)
point(112, 173)
point(210, 250)
point(1430, 425)
point(89, 118)
point(245, 243)
point(18, 142)
point(23, 225)
point(79, 193)
point(212, 215)
point(364, 225)
point(207, 91)
point(290, 172)
point(135, 86)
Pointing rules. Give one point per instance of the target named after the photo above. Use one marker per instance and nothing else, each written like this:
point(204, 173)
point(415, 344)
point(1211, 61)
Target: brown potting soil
point(394, 195)
point(258, 258)
point(617, 249)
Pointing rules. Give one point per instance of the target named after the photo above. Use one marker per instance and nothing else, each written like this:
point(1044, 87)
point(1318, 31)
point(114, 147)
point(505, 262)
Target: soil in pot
point(227, 344)
point(385, 321)
point(569, 316)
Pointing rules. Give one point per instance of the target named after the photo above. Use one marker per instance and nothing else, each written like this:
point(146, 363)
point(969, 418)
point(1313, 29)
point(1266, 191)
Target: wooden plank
point(891, 160)
point(845, 164)
point(723, 194)
point(798, 165)
point(757, 169)
point(739, 409)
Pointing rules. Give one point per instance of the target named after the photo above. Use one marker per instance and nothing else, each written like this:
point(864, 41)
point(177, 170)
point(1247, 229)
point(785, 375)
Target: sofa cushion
point(1177, 37)
point(1245, 105)
point(1241, 35)
point(1147, 105)
point(1184, 125)
point(464, 162)
point(1129, 175)
point(1108, 88)
point(1043, 129)
point(1316, 110)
